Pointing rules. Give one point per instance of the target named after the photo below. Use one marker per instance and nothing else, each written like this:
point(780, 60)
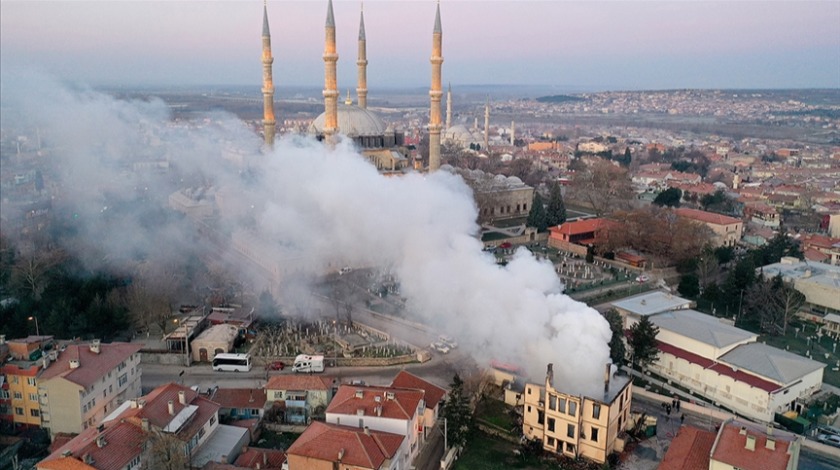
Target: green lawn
point(797, 343)
point(495, 412)
point(488, 453)
point(275, 440)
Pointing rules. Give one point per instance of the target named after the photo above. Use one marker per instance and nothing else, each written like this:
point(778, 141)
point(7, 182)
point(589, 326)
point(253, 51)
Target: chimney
point(144, 424)
point(607, 378)
point(2, 339)
point(94, 346)
point(549, 375)
point(141, 403)
point(340, 455)
point(251, 396)
point(750, 443)
point(100, 441)
point(389, 395)
point(378, 409)
point(133, 402)
point(367, 431)
point(87, 459)
point(171, 405)
point(769, 430)
point(360, 393)
point(74, 363)
point(53, 354)
point(360, 411)
point(743, 431)
point(643, 302)
point(182, 397)
point(224, 459)
point(67, 453)
point(770, 444)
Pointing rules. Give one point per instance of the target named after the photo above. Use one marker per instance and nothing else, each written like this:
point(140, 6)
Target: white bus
point(232, 362)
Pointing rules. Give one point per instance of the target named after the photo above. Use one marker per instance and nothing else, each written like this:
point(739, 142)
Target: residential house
point(388, 409)
point(19, 400)
point(433, 396)
point(240, 403)
point(299, 397)
point(736, 445)
point(264, 459)
point(821, 248)
point(577, 235)
point(325, 446)
point(115, 445)
point(727, 230)
point(586, 426)
point(85, 382)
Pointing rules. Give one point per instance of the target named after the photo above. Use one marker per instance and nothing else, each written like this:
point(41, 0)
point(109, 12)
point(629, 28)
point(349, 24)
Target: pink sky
point(619, 44)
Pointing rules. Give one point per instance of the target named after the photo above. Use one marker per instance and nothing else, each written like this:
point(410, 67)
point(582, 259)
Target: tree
point(772, 303)
point(166, 451)
point(537, 216)
point(556, 212)
point(689, 286)
point(628, 157)
point(643, 342)
point(669, 198)
point(617, 349)
point(457, 413)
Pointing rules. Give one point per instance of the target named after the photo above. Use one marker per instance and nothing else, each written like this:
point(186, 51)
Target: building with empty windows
point(590, 427)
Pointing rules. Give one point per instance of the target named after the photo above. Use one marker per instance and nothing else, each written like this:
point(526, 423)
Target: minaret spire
point(449, 107)
point(435, 93)
point(330, 80)
point(487, 126)
point(361, 90)
point(269, 123)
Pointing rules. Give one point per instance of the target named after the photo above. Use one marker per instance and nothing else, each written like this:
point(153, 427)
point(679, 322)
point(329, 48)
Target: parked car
point(829, 439)
point(448, 340)
point(276, 365)
point(440, 347)
point(642, 278)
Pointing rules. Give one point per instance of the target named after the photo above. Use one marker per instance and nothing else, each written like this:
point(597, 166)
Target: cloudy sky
point(582, 44)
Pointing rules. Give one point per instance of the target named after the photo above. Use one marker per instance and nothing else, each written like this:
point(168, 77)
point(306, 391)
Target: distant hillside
point(558, 99)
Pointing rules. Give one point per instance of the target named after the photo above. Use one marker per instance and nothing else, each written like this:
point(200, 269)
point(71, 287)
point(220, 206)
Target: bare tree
point(166, 451)
point(602, 186)
point(30, 270)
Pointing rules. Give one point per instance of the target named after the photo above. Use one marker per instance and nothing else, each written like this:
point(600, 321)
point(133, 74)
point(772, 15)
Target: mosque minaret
point(435, 93)
point(330, 80)
point(361, 90)
point(449, 107)
point(269, 123)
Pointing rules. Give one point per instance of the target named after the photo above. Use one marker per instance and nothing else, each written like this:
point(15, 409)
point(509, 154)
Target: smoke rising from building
point(328, 206)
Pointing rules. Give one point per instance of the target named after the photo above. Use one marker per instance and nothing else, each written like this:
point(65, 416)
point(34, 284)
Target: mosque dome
point(353, 121)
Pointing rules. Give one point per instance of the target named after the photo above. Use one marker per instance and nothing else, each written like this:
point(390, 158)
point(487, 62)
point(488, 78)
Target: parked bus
point(232, 362)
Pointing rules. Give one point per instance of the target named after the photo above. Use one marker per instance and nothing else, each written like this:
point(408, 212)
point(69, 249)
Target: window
point(570, 430)
point(4, 394)
point(551, 424)
point(570, 448)
point(122, 380)
point(14, 379)
point(596, 411)
point(540, 417)
point(30, 381)
point(212, 420)
point(18, 396)
point(529, 390)
point(552, 402)
point(33, 397)
point(572, 408)
point(201, 433)
point(529, 408)
point(34, 412)
point(594, 436)
point(562, 408)
point(19, 411)
point(550, 442)
point(255, 412)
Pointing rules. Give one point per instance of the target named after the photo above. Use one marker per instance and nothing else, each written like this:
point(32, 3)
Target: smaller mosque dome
point(353, 121)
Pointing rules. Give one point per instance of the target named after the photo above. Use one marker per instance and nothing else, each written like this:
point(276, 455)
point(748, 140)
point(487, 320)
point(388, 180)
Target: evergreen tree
point(643, 342)
point(628, 157)
point(457, 413)
point(537, 216)
point(617, 348)
point(689, 286)
point(669, 198)
point(556, 213)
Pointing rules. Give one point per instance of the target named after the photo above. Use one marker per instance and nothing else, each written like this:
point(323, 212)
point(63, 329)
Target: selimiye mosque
point(381, 143)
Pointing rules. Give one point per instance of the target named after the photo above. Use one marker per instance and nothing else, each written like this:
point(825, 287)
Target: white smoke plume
point(324, 207)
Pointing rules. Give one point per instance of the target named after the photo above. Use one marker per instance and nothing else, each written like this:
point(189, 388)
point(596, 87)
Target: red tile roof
point(239, 397)
point(299, 382)
point(579, 227)
point(706, 217)
point(434, 394)
point(123, 442)
point(721, 369)
point(63, 463)
point(689, 450)
point(323, 441)
point(731, 449)
point(374, 401)
point(156, 409)
point(266, 458)
point(92, 366)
